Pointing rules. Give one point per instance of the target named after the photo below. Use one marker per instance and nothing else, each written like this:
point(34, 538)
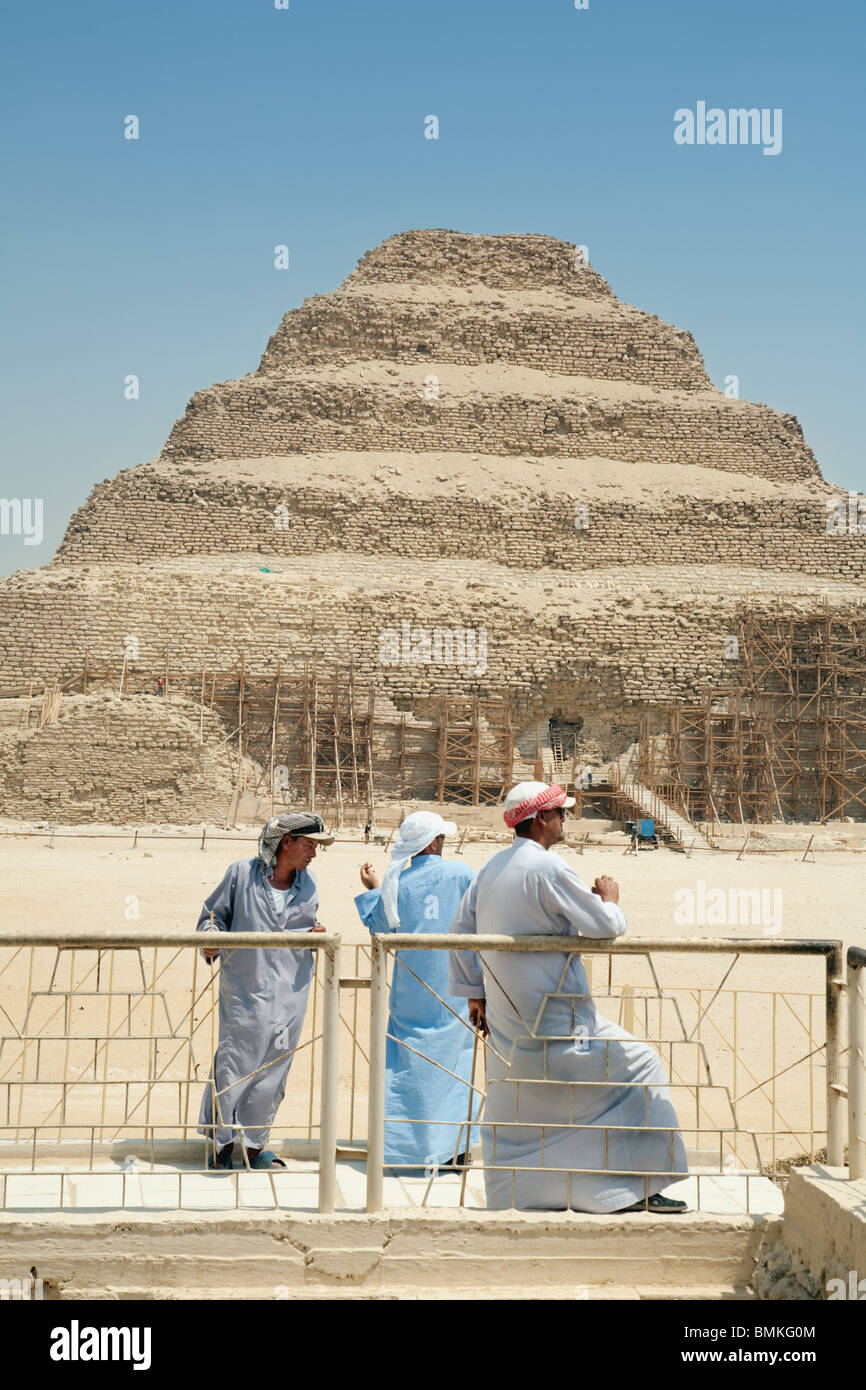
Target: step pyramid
point(472, 434)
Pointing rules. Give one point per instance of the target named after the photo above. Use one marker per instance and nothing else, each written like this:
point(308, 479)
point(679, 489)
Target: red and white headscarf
point(527, 798)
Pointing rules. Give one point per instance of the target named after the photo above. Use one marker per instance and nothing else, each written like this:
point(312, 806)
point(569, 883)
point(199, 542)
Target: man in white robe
point(543, 1027)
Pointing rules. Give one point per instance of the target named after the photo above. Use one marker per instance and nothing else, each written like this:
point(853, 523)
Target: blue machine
point(643, 833)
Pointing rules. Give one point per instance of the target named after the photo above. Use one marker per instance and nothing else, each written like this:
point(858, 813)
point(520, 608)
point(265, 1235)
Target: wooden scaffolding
point(788, 742)
point(320, 737)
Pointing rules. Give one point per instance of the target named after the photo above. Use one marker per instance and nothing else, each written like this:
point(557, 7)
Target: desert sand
point(87, 881)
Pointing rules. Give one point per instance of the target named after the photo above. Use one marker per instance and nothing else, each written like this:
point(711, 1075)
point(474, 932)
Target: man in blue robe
point(420, 893)
point(263, 994)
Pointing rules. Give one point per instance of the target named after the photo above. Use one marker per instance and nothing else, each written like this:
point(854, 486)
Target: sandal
point(266, 1159)
point(220, 1164)
point(656, 1202)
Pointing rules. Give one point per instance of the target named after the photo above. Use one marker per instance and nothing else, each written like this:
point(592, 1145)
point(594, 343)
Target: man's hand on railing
point(319, 927)
point(478, 1016)
point(607, 889)
point(210, 952)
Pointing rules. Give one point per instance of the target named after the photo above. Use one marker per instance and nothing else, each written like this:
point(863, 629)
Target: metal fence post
point(856, 1063)
point(330, 1072)
point(376, 1096)
point(836, 1100)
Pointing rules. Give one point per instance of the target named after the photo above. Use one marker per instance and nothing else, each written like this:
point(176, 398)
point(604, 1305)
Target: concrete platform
point(179, 1186)
point(137, 1227)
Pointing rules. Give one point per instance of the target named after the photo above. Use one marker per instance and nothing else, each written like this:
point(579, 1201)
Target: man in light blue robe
point(420, 893)
point(544, 1029)
point(263, 994)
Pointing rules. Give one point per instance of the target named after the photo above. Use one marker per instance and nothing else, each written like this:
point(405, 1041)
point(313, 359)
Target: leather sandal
point(266, 1159)
point(666, 1206)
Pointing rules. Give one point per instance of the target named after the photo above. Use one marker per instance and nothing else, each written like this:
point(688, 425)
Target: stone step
point(391, 1254)
point(148, 514)
point(507, 410)
point(51, 617)
point(622, 344)
point(615, 1293)
point(436, 256)
point(667, 819)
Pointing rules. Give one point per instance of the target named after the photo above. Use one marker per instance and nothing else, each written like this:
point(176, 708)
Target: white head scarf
point(415, 834)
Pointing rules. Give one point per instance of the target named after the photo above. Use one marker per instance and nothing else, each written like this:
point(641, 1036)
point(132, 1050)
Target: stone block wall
point(146, 513)
point(263, 416)
point(109, 759)
point(436, 256)
point(631, 651)
point(819, 1250)
point(624, 345)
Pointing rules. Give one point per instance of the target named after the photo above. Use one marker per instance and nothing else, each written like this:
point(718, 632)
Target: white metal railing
point(148, 1109)
point(385, 943)
point(856, 1062)
point(137, 1111)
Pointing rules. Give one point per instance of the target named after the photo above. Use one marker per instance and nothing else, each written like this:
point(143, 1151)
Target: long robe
point(544, 1024)
point(262, 1001)
point(428, 894)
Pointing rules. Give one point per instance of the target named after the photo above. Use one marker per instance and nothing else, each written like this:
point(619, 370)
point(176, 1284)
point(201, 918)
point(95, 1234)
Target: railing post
point(836, 1102)
point(856, 1069)
point(330, 1072)
point(376, 1089)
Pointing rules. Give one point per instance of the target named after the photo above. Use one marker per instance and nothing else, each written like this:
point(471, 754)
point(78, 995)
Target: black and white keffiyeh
point(292, 823)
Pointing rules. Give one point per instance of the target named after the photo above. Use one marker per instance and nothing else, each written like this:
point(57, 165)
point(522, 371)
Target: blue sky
point(306, 127)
